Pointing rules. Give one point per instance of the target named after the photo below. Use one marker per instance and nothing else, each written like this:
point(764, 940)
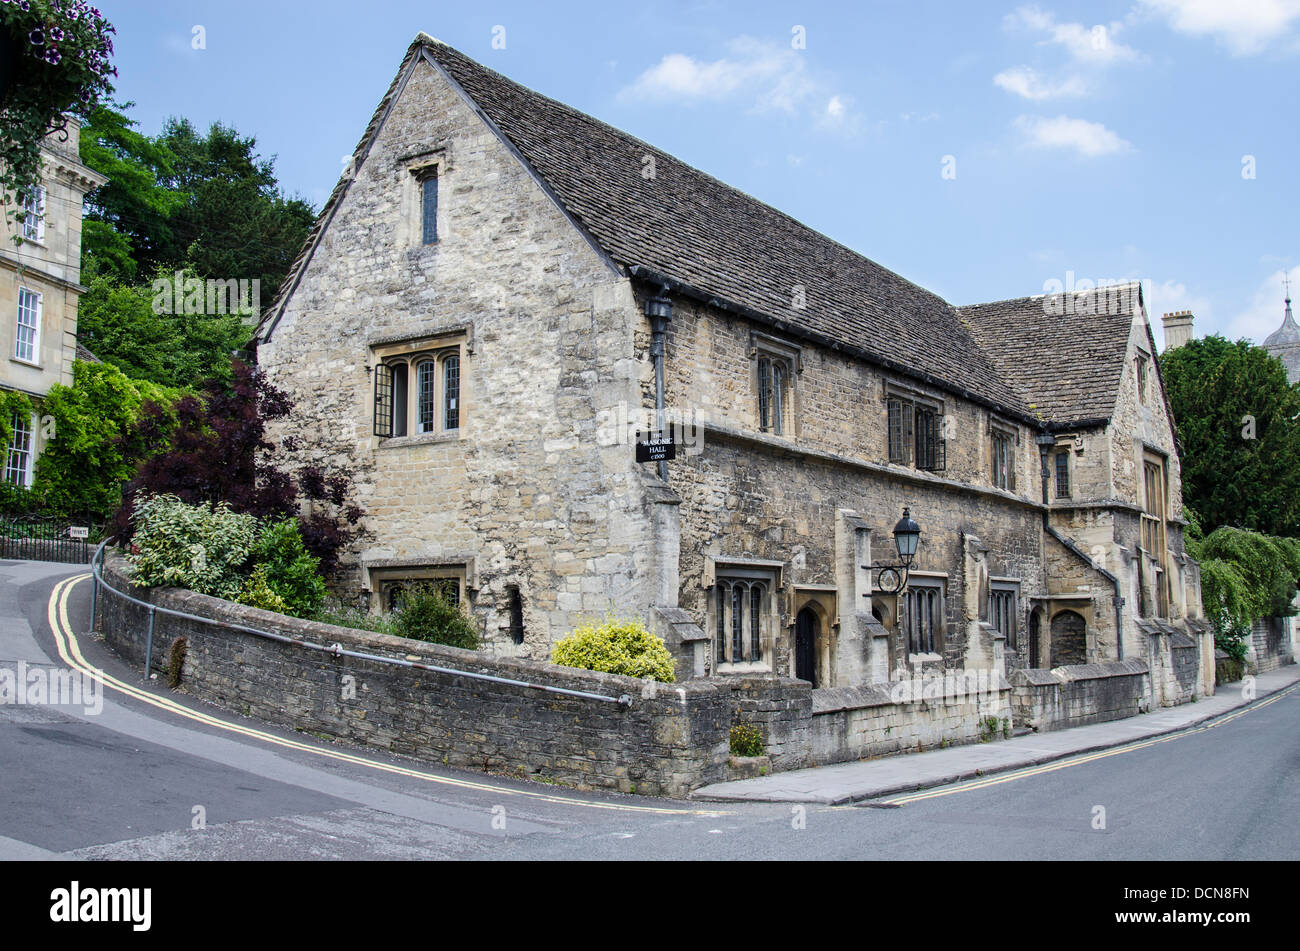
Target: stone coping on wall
point(1073, 673)
point(839, 699)
point(398, 648)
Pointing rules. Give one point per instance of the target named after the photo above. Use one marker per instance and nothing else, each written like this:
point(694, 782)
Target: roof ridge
point(673, 159)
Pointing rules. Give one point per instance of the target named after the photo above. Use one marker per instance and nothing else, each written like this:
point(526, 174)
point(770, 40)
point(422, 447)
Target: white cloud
point(1026, 83)
point(1244, 26)
point(1086, 138)
point(1094, 45)
point(775, 76)
point(1263, 314)
point(1170, 297)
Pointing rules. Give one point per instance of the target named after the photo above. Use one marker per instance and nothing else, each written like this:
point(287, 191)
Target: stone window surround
point(411, 351)
point(1011, 586)
point(919, 399)
point(1062, 457)
point(926, 579)
point(381, 576)
point(764, 346)
point(415, 169)
point(1000, 427)
point(1142, 373)
point(717, 572)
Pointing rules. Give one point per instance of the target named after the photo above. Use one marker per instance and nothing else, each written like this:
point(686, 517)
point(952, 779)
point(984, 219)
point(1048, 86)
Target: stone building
point(501, 291)
point(40, 286)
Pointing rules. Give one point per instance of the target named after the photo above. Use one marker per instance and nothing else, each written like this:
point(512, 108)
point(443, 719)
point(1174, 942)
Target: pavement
point(909, 772)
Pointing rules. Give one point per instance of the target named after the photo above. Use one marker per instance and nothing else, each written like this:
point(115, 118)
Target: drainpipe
point(660, 311)
point(1045, 441)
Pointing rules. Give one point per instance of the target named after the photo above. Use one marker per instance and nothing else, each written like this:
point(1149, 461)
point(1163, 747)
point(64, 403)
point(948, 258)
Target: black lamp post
point(907, 538)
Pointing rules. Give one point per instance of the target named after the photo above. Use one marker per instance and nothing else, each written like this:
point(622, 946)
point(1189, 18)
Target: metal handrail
point(334, 650)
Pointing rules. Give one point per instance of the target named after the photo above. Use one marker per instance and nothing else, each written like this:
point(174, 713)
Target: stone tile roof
point(1063, 353)
point(694, 229)
point(84, 354)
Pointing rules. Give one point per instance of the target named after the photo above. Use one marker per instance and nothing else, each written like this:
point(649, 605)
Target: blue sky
point(981, 149)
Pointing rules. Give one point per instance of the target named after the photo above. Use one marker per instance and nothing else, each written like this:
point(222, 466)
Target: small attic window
point(428, 179)
point(1143, 371)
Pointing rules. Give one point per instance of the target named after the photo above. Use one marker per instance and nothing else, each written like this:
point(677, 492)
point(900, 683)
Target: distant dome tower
point(1284, 343)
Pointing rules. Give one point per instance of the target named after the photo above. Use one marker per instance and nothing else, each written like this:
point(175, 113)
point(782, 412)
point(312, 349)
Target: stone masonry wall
point(1078, 695)
point(670, 739)
point(523, 495)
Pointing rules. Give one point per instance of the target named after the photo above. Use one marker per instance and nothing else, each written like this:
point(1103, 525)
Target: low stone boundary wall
point(672, 737)
point(1081, 694)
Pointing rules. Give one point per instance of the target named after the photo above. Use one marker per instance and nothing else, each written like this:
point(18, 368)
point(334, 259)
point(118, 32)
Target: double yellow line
point(70, 652)
point(1085, 758)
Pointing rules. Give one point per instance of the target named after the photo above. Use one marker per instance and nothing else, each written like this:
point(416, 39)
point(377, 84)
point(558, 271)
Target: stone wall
point(525, 494)
point(851, 723)
point(1078, 695)
point(668, 740)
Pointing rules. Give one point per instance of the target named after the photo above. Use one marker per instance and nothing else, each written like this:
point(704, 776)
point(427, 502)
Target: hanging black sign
point(655, 447)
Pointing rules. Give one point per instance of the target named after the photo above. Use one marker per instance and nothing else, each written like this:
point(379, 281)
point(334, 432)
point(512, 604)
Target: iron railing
point(42, 538)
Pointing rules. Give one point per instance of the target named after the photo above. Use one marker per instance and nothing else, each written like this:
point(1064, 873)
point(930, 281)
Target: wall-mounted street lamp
point(892, 578)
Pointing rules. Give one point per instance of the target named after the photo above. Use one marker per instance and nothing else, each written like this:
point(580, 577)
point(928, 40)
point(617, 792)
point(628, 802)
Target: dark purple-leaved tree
point(218, 451)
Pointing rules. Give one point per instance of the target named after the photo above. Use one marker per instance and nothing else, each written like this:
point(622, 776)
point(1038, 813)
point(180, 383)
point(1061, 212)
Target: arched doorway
point(1069, 639)
point(806, 630)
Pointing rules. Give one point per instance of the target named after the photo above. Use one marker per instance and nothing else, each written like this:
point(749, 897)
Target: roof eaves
point(651, 276)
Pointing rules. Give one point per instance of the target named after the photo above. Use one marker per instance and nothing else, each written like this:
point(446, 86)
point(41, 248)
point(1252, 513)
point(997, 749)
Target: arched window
point(418, 387)
point(741, 606)
point(426, 372)
point(399, 376)
point(451, 392)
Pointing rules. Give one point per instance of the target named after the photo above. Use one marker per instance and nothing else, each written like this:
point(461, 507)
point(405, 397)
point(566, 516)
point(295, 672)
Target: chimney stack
point(1178, 329)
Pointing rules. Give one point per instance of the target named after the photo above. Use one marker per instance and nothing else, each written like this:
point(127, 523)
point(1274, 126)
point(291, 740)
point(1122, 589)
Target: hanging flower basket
point(56, 56)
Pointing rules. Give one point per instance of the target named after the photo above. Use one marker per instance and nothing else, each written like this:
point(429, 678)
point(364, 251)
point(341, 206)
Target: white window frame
point(34, 217)
point(24, 429)
point(36, 313)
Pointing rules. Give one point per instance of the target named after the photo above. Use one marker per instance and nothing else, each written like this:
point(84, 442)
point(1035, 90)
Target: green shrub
point(427, 616)
point(616, 647)
point(199, 547)
point(258, 593)
point(332, 611)
point(746, 740)
point(290, 571)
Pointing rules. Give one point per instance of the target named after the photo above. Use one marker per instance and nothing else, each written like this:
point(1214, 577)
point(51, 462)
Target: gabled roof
point(707, 236)
point(693, 228)
point(1064, 353)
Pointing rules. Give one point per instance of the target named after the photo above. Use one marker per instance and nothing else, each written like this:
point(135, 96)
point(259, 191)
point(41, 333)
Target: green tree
point(234, 221)
point(94, 443)
point(120, 324)
point(126, 230)
point(1238, 422)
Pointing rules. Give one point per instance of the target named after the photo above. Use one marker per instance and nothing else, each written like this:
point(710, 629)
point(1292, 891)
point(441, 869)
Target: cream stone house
point(39, 288)
point(501, 290)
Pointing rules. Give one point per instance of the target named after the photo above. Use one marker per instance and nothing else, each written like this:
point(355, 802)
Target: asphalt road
point(132, 782)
